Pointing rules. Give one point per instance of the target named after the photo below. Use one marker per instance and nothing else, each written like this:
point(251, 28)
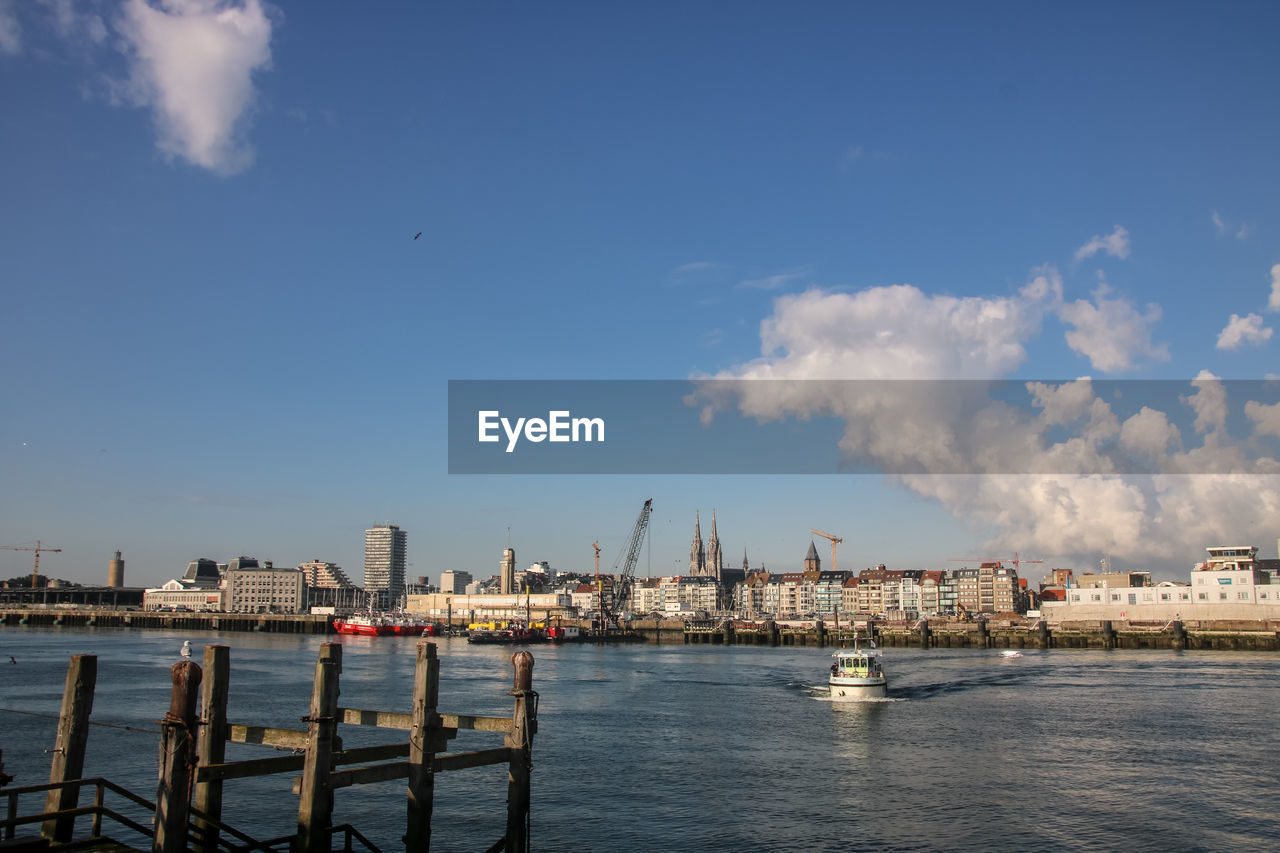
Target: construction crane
point(1015, 561)
point(835, 540)
point(35, 571)
point(611, 615)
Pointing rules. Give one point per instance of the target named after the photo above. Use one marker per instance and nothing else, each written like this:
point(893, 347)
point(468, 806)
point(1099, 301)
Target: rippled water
point(726, 749)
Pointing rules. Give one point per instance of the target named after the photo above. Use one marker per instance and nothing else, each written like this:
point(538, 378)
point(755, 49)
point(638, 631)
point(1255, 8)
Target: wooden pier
point(192, 771)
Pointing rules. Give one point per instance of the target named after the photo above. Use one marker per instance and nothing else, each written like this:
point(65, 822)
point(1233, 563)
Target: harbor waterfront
point(1192, 634)
point(715, 747)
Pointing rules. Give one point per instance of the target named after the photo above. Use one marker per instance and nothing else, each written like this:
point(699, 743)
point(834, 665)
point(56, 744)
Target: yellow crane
point(38, 548)
point(835, 540)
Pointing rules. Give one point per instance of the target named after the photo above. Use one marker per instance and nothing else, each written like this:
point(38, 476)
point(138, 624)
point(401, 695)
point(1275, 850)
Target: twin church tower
point(708, 562)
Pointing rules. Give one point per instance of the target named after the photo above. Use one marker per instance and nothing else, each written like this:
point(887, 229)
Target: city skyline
point(239, 281)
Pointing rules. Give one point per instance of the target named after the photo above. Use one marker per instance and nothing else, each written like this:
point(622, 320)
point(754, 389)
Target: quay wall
point(1227, 635)
point(151, 619)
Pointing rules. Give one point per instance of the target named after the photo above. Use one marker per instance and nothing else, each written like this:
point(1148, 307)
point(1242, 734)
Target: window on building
point(1202, 596)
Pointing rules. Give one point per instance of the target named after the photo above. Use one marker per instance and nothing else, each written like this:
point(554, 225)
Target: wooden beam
point(479, 724)
point(400, 769)
point(255, 767)
point(315, 806)
point(463, 760)
point(381, 719)
point(290, 738)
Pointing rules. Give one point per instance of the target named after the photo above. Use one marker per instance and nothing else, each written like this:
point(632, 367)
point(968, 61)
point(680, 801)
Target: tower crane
point(35, 571)
point(835, 540)
point(610, 615)
point(1015, 561)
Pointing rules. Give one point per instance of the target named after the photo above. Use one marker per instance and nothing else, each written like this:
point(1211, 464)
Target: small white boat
point(185, 651)
point(857, 674)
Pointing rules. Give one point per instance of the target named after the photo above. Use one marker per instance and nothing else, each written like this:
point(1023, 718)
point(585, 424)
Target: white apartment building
point(265, 590)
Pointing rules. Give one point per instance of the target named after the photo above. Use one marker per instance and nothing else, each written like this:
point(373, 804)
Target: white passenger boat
point(857, 674)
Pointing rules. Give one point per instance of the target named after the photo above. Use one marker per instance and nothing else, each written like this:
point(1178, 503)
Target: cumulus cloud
point(1054, 472)
point(1243, 330)
point(1112, 333)
point(1266, 419)
point(1115, 244)
point(10, 30)
point(1273, 303)
point(192, 63)
point(900, 332)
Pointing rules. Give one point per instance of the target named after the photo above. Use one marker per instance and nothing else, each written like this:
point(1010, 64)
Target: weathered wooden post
point(315, 808)
point(1108, 635)
point(1179, 635)
point(820, 630)
point(520, 742)
point(68, 749)
point(424, 742)
point(177, 759)
point(984, 635)
point(926, 635)
point(212, 742)
point(1043, 640)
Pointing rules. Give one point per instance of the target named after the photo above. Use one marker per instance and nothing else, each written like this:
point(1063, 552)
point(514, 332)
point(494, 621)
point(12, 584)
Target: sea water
point(690, 748)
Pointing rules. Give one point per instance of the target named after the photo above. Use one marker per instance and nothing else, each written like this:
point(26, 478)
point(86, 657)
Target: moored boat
point(858, 674)
point(363, 624)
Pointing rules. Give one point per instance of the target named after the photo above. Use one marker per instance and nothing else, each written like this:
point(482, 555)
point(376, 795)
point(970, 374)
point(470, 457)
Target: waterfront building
point(265, 589)
point(179, 594)
point(384, 563)
point(319, 574)
point(1089, 580)
point(1006, 591)
point(684, 595)
point(539, 607)
point(203, 573)
point(871, 589)
point(1231, 583)
point(507, 571)
point(930, 589)
point(828, 591)
point(849, 594)
point(454, 582)
point(646, 597)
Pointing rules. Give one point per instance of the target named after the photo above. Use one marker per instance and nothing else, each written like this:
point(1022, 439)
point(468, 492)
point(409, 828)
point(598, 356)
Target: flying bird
point(416, 236)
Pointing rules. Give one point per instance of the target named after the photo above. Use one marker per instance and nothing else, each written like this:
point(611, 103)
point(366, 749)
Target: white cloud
point(1042, 476)
point(1115, 244)
point(1243, 330)
point(1209, 402)
point(1273, 303)
point(1224, 227)
point(899, 332)
point(1266, 419)
point(1111, 333)
point(10, 30)
point(192, 63)
point(71, 24)
point(777, 281)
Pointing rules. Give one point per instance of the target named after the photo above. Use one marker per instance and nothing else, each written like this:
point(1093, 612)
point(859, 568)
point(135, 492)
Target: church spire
point(714, 559)
point(697, 556)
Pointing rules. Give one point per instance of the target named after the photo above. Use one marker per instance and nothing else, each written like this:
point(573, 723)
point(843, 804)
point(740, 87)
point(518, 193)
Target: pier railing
point(192, 760)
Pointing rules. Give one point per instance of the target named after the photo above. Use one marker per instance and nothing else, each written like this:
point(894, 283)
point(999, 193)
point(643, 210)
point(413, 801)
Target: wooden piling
point(212, 742)
point(425, 740)
point(69, 748)
point(177, 759)
point(315, 807)
point(519, 742)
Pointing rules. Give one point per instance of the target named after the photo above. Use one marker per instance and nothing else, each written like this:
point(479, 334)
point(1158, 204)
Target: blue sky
point(221, 337)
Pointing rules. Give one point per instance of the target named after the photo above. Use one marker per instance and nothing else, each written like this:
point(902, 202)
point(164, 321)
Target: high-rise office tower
point(384, 551)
